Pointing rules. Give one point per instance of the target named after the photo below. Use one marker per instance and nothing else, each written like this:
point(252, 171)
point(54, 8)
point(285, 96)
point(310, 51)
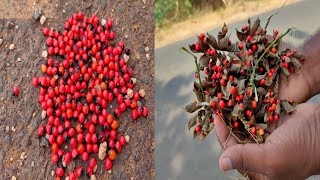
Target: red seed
point(79, 171)
point(59, 172)
point(15, 91)
point(108, 164)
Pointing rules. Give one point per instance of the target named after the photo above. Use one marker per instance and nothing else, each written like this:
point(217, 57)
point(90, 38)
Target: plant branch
point(198, 70)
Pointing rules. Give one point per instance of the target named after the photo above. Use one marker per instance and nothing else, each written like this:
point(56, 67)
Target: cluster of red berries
point(237, 85)
point(76, 90)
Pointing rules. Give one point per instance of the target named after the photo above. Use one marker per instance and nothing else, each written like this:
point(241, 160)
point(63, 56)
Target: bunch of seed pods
point(241, 81)
point(85, 71)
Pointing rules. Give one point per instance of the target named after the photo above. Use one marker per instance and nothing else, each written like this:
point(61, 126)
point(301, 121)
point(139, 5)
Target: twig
point(198, 70)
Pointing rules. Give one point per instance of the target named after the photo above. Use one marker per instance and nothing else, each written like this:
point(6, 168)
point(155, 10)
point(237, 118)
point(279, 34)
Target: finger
point(223, 134)
point(252, 175)
point(244, 157)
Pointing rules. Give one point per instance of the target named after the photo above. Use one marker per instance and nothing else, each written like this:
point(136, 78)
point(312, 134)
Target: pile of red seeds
point(85, 71)
point(241, 81)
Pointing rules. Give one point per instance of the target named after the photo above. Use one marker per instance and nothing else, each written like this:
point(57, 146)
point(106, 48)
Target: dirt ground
point(20, 116)
point(205, 21)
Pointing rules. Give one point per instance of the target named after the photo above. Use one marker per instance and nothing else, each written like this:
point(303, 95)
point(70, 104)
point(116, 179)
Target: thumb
point(244, 157)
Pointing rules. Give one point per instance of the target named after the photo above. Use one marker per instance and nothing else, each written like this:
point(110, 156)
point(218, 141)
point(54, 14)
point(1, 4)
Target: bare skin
point(292, 151)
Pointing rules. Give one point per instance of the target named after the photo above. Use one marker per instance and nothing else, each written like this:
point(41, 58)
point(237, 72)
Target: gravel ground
point(20, 116)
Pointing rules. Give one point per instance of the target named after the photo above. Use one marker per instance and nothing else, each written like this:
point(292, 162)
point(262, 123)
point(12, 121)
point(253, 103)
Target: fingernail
point(226, 164)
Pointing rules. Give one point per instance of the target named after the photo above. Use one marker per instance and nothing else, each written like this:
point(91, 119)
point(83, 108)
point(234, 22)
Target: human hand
point(292, 151)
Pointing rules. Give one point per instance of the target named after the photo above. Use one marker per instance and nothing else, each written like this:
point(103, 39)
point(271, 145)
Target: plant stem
point(198, 71)
point(262, 55)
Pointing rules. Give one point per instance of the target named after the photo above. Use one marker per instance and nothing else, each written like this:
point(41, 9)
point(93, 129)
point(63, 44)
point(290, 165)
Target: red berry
point(40, 131)
point(108, 164)
point(92, 162)
point(59, 172)
point(222, 104)
point(197, 129)
point(15, 91)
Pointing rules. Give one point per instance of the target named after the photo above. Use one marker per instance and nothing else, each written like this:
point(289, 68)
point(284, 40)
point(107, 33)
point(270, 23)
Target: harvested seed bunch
point(241, 81)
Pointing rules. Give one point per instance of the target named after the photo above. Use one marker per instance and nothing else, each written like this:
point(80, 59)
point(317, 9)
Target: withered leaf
point(191, 107)
point(206, 124)
point(296, 62)
point(285, 71)
point(235, 68)
point(212, 41)
point(193, 48)
point(265, 64)
point(204, 47)
point(241, 36)
point(241, 85)
point(262, 126)
point(255, 26)
point(204, 62)
point(287, 107)
point(236, 110)
point(261, 91)
point(261, 48)
point(232, 56)
point(225, 28)
point(192, 122)
point(232, 48)
point(223, 43)
point(278, 109)
point(287, 59)
point(221, 35)
point(272, 55)
point(260, 77)
point(266, 116)
point(298, 55)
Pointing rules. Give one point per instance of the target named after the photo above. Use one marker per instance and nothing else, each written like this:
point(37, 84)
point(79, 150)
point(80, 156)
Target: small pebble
point(126, 58)
point(127, 138)
point(18, 59)
point(1, 41)
point(146, 49)
point(37, 14)
point(148, 56)
point(11, 159)
point(142, 92)
point(129, 93)
point(109, 172)
point(32, 163)
point(102, 150)
point(43, 20)
point(7, 128)
point(43, 114)
point(103, 22)
point(13, 129)
point(134, 80)
point(44, 54)
point(11, 47)
point(93, 177)
point(14, 178)
point(52, 173)
point(23, 156)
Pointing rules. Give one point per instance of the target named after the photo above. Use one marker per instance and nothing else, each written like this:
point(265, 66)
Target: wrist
point(314, 155)
point(311, 66)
